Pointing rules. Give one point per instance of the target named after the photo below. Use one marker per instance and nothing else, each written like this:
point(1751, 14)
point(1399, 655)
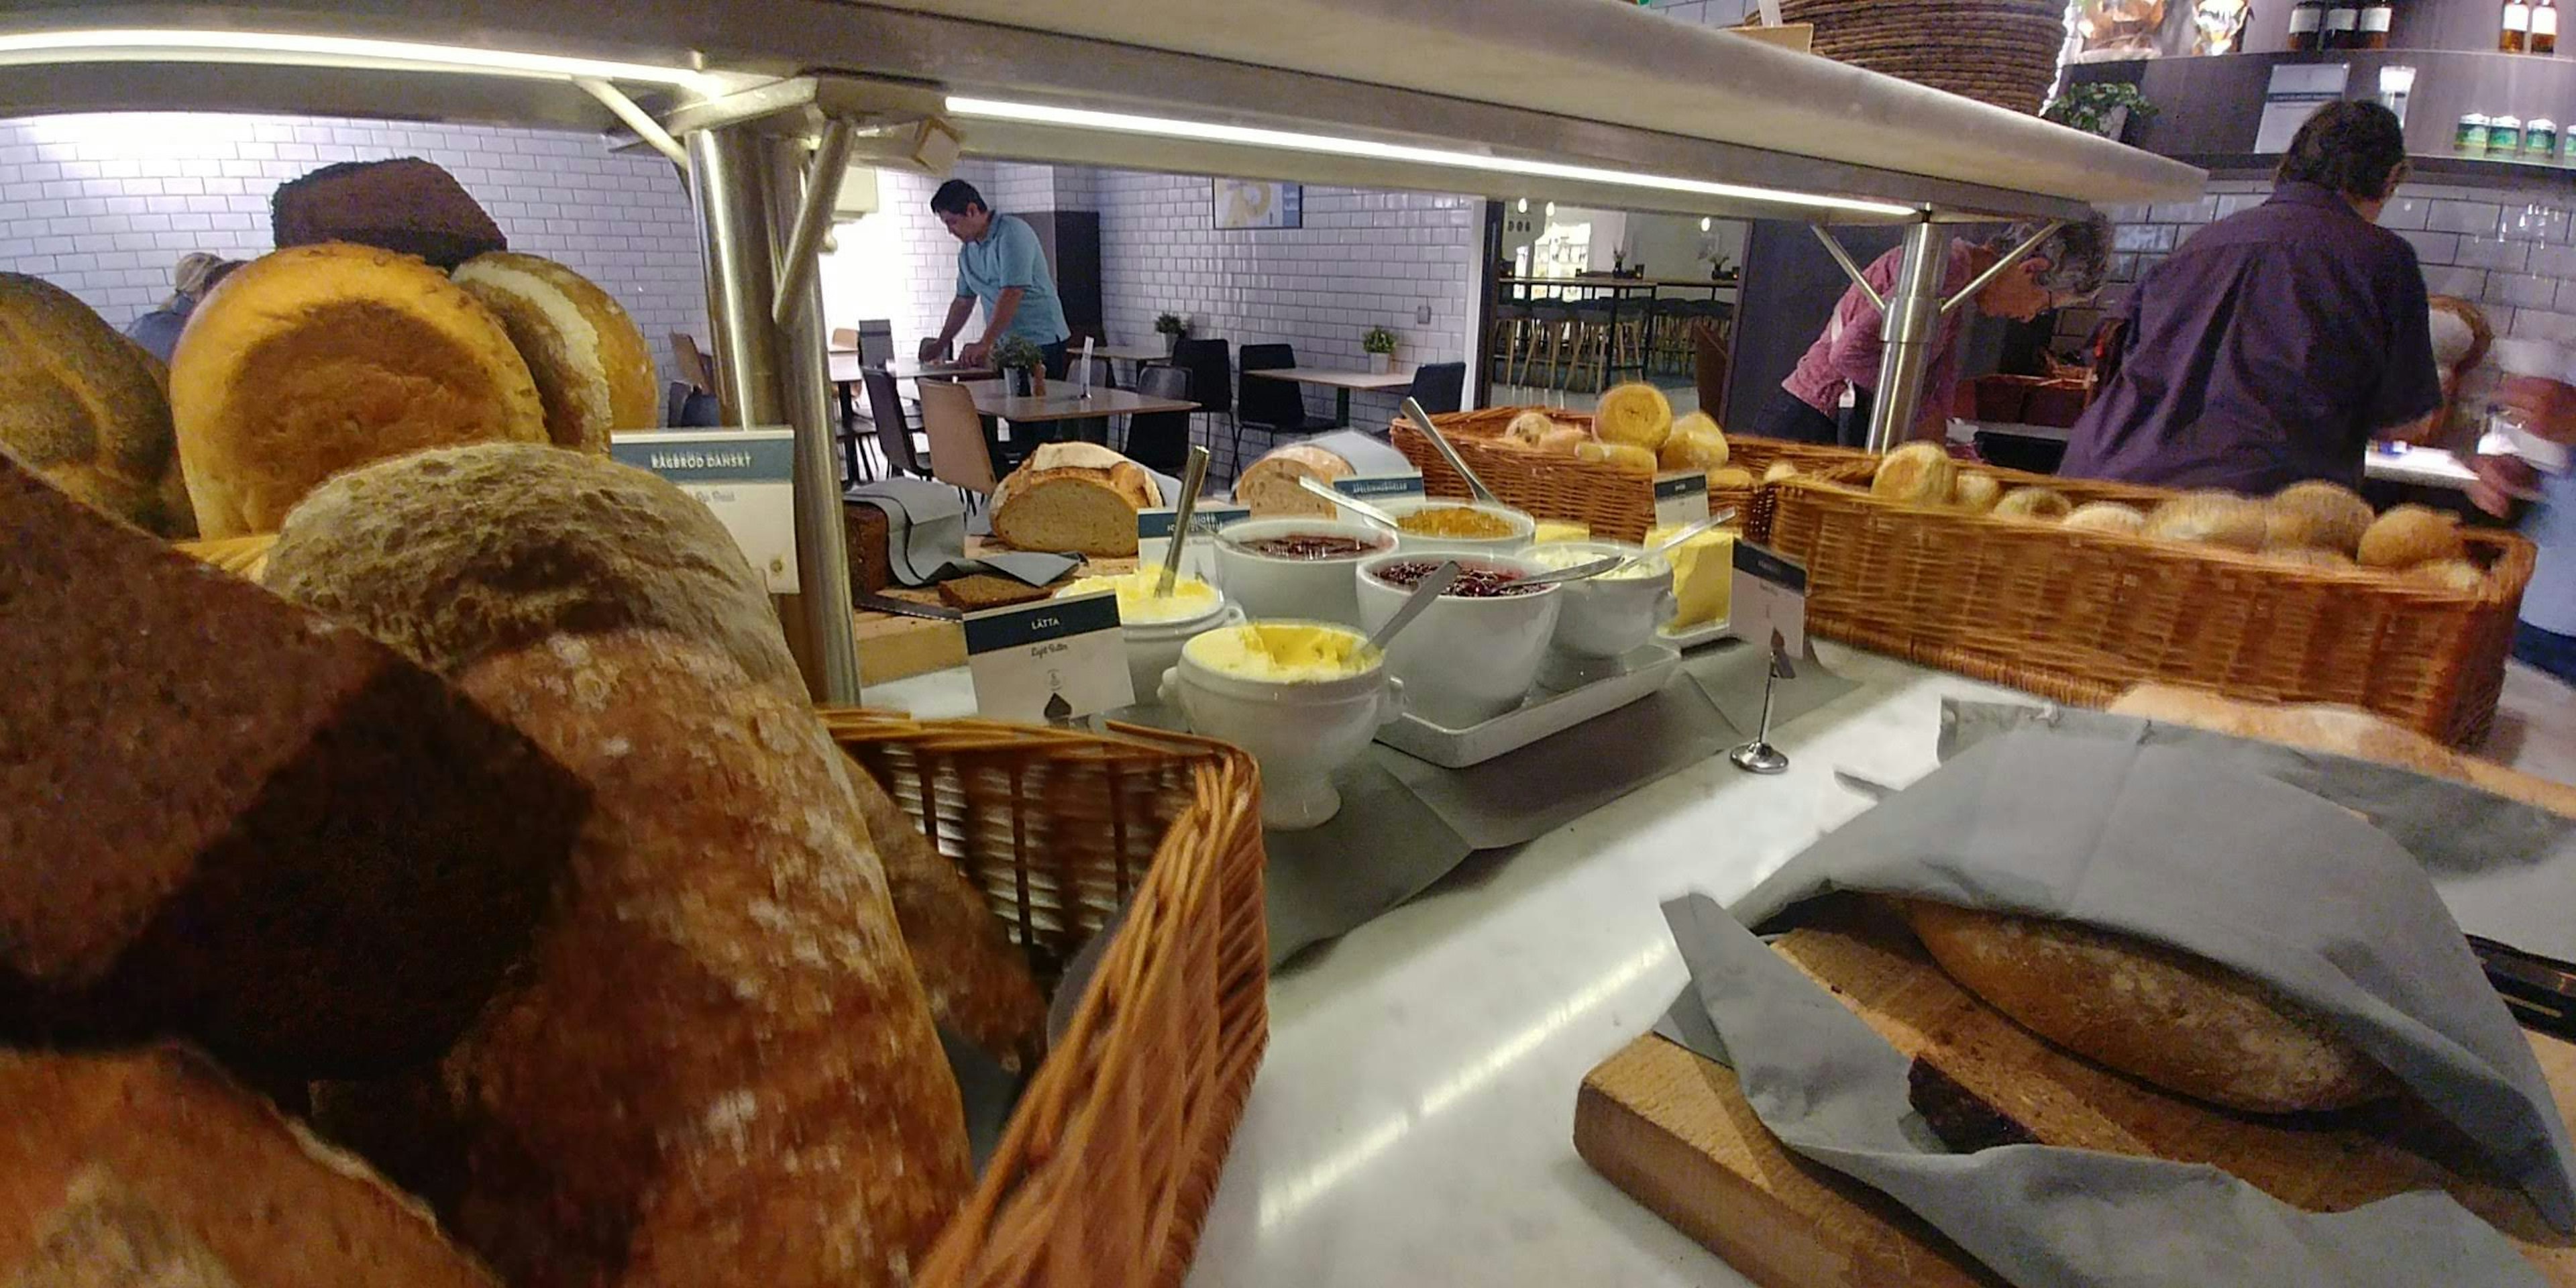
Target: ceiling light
point(1551, 210)
point(295, 49)
point(1705, 223)
point(1524, 206)
point(1334, 145)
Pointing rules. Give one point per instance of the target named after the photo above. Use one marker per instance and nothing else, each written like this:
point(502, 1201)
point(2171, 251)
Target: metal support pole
point(747, 188)
point(1850, 269)
point(636, 118)
point(813, 214)
point(1913, 321)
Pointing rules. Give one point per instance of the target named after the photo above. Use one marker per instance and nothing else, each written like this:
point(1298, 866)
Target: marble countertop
point(1413, 1121)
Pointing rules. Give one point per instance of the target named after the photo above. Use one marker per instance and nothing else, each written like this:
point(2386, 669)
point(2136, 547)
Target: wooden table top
point(847, 369)
point(1064, 401)
point(1338, 379)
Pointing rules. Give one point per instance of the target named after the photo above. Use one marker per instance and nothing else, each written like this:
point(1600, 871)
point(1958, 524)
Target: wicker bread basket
point(2083, 616)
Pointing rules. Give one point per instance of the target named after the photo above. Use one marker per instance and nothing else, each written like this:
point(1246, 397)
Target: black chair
point(1439, 386)
point(1277, 407)
point(690, 407)
point(894, 432)
point(1160, 440)
point(1211, 367)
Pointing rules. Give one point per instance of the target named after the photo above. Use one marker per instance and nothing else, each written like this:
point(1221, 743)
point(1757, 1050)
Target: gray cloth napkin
point(926, 537)
point(2231, 866)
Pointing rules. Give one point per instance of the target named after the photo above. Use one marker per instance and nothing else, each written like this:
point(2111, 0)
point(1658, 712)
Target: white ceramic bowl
point(1152, 647)
point(1300, 734)
point(1315, 590)
point(1410, 542)
point(1464, 661)
point(1604, 618)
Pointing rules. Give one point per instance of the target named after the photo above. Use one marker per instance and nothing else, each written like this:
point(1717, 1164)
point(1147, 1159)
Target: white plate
point(1542, 713)
point(1693, 636)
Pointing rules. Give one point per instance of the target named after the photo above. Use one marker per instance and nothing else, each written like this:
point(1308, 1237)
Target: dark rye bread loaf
point(228, 817)
point(405, 204)
point(148, 1170)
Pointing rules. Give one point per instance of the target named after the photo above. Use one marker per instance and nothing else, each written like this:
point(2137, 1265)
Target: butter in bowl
point(1303, 698)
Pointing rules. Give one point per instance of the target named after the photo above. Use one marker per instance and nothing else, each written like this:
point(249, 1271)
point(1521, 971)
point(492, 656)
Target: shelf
point(2428, 165)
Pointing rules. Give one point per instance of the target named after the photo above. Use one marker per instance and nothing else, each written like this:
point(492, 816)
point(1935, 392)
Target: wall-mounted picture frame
point(1256, 203)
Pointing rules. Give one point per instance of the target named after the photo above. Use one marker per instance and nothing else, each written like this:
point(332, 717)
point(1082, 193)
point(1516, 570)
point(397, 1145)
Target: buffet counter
point(1412, 1122)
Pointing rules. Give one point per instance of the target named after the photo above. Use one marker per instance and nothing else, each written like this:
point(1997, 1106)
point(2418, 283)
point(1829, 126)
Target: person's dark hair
point(2351, 147)
point(955, 196)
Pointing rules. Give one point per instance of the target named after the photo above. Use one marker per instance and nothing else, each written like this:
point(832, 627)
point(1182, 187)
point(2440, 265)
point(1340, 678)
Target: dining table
point(1339, 381)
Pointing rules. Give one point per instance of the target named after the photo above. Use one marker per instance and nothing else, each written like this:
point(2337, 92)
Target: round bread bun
point(320, 359)
point(1564, 440)
point(454, 554)
point(2450, 574)
point(1635, 414)
point(593, 370)
point(1976, 493)
point(1622, 455)
point(1696, 443)
point(1779, 470)
point(2306, 557)
point(1733, 476)
point(2106, 516)
point(2212, 518)
point(2316, 513)
point(2180, 1022)
point(1528, 428)
point(1916, 474)
point(2034, 504)
point(85, 410)
point(2409, 535)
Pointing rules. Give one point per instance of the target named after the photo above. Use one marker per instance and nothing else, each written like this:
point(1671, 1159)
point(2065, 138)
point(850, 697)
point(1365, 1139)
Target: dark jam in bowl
point(1475, 581)
point(1309, 545)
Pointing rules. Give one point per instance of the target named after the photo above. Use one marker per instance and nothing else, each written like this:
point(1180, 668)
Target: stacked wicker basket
point(2002, 52)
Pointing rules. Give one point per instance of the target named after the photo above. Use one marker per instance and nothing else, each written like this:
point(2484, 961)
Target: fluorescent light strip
point(1296, 141)
point(174, 45)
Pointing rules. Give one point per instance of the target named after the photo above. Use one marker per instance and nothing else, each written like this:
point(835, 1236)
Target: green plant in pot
point(1173, 330)
point(2099, 107)
point(1379, 345)
point(1025, 361)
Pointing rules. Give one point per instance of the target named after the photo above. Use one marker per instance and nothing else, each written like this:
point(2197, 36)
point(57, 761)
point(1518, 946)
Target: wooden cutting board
point(1674, 1131)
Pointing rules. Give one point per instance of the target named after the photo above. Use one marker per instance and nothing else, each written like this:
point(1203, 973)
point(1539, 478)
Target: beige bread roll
point(1733, 476)
point(2185, 1024)
point(311, 361)
point(1916, 474)
point(1564, 440)
point(1976, 493)
point(1077, 498)
point(594, 372)
point(1527, 428)
point(2211, 518)
point(2449, 574)
point(1637, 460)
point(2316, 513)
point(2106, 516)
point(2409, 535)
point(1695, 443)
point(2034, 504)
point(1635, 414)
point(453, 554)
point(717, 1066)
point(85, 408)
point(1779, 470)
point(148, 1169)
point(1269, 485)
point(2305, 557)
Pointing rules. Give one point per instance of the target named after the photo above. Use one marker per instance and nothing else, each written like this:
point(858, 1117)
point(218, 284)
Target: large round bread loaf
point(85, 409)
point(320, 359)
point(593, 370)
point(1269, 485)
point(718, 1067)
point(453, 554)
point(2184, 1024)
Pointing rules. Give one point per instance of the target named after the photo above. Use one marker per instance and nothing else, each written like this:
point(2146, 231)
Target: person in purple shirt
point(2276, 342)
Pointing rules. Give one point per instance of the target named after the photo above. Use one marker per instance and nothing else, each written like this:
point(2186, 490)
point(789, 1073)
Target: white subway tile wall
point(103, 205)
point(2512, 252)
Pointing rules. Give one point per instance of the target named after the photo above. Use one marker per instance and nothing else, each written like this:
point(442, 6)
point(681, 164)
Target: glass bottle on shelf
point(2376, 17)
point(2343, 24)
point(2514, 35)
point(2307, 25)
point(2544, 27)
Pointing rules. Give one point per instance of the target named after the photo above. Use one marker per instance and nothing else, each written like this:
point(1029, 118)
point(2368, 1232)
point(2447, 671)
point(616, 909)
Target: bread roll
point(1695, 443)
point(594, 372)
point(2034, 504)
point(1916, 474)
point(1635, 414)
point(2211, 518)
point(2409, 535)
point(1564, 440)
point(2187, 1025)
point(148, 1169)
point(2316, 513)
point(1637, 460)
point(2449, 574)
point(453, 554)
point(2106, 516)
point(1733, 476)
point(1976, 493)
point(312, 361)
point(1528, 427)
point(2306, 557)
point(1269, 485)
point(1779, 470)
point(83, 407)
point(717, 1066)
point(225, 817)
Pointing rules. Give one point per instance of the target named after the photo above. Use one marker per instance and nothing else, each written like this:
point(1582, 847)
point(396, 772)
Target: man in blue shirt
point(1001, 265)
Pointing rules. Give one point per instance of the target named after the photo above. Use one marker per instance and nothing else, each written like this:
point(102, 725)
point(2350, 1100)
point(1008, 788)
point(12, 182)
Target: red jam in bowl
point(1475, 581)
point(1310, 545)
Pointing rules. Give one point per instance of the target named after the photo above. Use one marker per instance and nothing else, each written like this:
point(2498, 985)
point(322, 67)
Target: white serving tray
point(1693, 636)
point(1544, 712)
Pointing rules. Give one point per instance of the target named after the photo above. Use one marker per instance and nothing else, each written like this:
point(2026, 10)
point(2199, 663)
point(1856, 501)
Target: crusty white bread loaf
point(1078, 498)
point(86, 408)
point(228, 817)
point(593, 370)
point(147, 1169)
point(453, 554)
point(311, 361)
point(1269, 485)
point(2180, 1022)
point(718, 1067)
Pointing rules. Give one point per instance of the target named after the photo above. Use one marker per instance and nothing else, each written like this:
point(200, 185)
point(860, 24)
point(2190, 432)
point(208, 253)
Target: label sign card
point(1681, 497)
point(747, 476)
point(1380, 487)
point(1769, 600)
point(1049, 661)
point(1154, 536)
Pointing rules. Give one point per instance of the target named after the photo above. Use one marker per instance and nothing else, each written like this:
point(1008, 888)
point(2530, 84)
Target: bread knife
point(2540, 992)
point(876, 603)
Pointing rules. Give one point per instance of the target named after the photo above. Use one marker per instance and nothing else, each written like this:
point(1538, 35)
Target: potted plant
point(2100, 107)
point(1023, 364)
point(1173, 330)
point(1379, 344)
